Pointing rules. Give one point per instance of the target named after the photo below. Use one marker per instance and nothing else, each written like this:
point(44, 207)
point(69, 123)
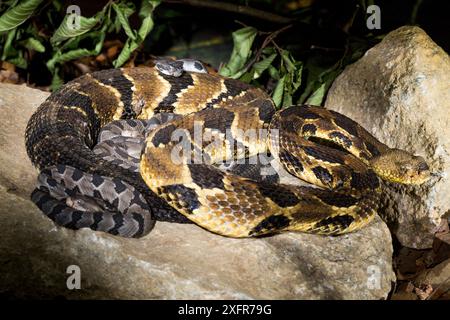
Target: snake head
point(401, 167)
point(169, 67)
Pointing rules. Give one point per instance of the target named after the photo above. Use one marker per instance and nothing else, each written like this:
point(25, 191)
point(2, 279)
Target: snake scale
point(177, 178)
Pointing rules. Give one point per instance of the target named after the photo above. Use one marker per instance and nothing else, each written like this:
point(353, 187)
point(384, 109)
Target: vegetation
point(292, 48)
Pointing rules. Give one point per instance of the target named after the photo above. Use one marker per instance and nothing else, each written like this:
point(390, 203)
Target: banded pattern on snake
point(313, 144)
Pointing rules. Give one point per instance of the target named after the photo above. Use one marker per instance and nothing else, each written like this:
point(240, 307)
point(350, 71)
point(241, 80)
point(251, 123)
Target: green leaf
point(61, 57)
point(277, 95)
point(8, 49)
point(262, 65)
point(247, 77)
point(273, 72)
point(74, 43)
point(19, 60)
point(18, 14)
point(317, 96)
point(127, 8)
point(298, 75)
point(288, 90)
point(317, 76)
point(146, 14)
point(10, 53)
point(268, 51)
point(146, 27)
point(66, 30)
point(57, 5)
point(122, 12)
point(243, 40)
point(292, 74)
point(287, 99)
point(33, 44)
point(125, 54)
point(288, 61)
point(9, 3)
point(57, 81)
point(316, 90)
point(147, 7)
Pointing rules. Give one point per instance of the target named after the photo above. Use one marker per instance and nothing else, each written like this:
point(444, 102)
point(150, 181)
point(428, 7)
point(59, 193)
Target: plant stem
point(231, 7)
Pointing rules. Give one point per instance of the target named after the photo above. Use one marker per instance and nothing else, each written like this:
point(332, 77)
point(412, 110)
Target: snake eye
point(423, 167)
point(198, 66)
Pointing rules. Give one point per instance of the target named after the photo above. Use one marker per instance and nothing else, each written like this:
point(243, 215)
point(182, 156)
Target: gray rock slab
point(174, 261)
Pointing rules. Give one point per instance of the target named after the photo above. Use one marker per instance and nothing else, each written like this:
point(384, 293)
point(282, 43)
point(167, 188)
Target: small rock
point(400, 92)
point(405, 291)
point(424, 291)
point(434, 283)
point(174, 261)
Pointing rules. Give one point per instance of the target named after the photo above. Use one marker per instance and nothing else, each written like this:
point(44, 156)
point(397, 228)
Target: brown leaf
point(424, 291)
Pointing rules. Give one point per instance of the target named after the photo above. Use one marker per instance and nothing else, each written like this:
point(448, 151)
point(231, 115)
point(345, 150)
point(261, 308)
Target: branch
point(224, 6)
point(269, 39)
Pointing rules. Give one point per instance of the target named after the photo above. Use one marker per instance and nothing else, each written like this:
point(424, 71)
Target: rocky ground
point(399, 91)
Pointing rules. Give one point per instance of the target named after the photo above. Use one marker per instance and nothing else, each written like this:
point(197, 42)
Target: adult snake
point(234, 121)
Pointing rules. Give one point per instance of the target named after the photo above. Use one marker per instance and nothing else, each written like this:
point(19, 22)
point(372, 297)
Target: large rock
point(400, 92)
point(173, 261)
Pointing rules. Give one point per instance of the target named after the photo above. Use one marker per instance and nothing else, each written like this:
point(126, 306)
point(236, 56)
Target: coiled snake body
point(177, 179)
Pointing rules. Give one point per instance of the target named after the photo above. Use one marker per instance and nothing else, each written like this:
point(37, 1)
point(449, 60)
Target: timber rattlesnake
point(62, 133)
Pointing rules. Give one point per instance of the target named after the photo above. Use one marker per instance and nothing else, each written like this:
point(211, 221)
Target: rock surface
point(174, 261)
point(400, 92)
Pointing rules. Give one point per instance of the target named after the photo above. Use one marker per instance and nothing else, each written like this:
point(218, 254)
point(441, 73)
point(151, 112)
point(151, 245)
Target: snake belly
point(63, 131)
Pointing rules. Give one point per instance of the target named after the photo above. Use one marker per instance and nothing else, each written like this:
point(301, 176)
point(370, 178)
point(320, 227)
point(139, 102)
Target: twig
point(349, 24)
point(314, 47)
point(269, 39)
point(241, 23)
point(280, 51)
point(231, 7)
point(438, 287)
point(414, 11)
